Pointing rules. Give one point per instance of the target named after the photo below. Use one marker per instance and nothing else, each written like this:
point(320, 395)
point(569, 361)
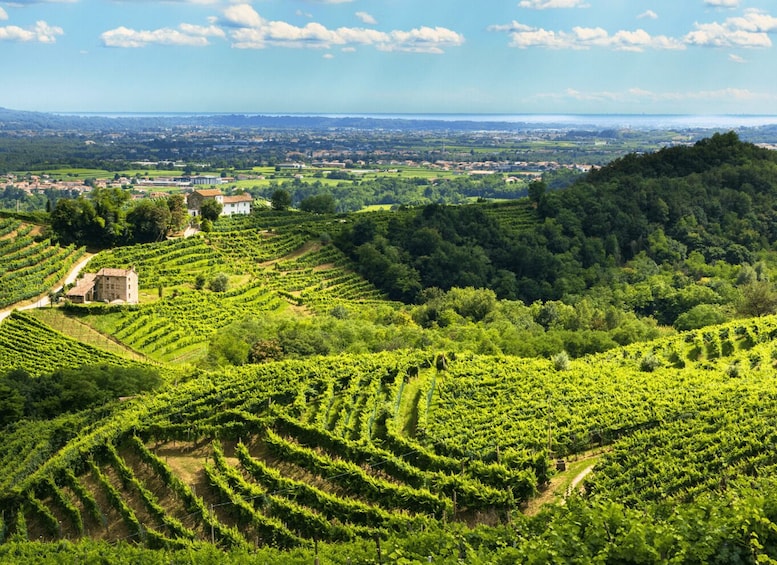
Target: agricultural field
point(425, 454)
point(31, 266)
point(268, 270)
point(335, 450)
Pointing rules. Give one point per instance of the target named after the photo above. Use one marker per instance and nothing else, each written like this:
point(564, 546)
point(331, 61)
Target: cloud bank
point(41, 32)
point(245, 28)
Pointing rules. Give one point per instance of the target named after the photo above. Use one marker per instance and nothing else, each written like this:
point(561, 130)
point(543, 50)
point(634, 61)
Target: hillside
point(712, 202)
point(306, 409)
point(348, 447)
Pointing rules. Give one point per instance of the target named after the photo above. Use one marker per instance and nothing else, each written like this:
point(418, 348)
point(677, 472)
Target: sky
point(390, 56)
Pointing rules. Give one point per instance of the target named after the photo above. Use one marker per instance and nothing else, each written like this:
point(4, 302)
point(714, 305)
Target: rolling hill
point(304, 414)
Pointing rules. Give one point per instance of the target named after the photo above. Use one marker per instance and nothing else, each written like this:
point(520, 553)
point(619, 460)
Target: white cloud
point(546, 4)
point(422, 40)
point(186, 35)
point(523, 37)
point(202, 31)
point(3, 14)
point(722, 3)
point(328, 56)
point(242, 15)
point(511, 27)
point(648, 14)
point(41, 32)
point(366, 18)
point(251, 31)
point(736, 59)
point(750, 30)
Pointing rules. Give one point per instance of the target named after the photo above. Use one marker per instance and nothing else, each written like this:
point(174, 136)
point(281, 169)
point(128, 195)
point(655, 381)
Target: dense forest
point(688, 210)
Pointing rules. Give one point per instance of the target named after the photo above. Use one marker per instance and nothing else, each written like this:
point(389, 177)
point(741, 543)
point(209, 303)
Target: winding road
point(43, 299)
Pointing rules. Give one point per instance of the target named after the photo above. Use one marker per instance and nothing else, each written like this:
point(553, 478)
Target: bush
point(265, 350)
point(561, 361)
point(649, 363)
point(219, 283)
point(700, 316)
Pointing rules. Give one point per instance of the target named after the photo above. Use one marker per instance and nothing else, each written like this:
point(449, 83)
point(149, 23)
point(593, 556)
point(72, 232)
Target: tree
point(318, 204)
point(178, 213)
point(700, 316)
point(210, 210)
point(11, 404)
point(759, 298)
point(74, 221)
point(280, 200)
point(148, 221)
point(110, 204)
point(537, 191)
point(265, 350)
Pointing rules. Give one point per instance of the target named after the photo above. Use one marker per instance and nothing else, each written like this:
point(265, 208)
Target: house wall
point(110, 288)
point(236, 208)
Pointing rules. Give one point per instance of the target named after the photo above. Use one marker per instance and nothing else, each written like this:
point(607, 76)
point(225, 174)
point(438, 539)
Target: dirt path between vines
point(579, 478)
point(562, 484)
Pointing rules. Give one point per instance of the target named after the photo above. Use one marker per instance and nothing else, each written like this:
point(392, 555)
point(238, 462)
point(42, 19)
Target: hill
point(304, 412)
point(685, 210)
point(342, 448)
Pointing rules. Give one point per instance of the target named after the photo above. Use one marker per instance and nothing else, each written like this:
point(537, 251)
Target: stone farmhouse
point(231, 205)
point(108, 285)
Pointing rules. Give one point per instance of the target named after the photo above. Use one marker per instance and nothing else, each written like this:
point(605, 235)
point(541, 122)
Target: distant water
point(535, 121)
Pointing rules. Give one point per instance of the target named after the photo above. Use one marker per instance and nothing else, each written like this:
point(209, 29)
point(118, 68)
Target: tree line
point(69, 390)
point(645, 232)
point(109, 218)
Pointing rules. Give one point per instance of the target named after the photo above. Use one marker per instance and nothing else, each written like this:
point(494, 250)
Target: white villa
point(231, 205)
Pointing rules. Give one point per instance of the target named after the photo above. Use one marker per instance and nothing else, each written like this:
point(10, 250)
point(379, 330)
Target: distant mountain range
point(16, 120)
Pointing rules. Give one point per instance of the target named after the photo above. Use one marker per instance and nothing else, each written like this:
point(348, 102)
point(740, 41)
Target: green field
point(398, 443)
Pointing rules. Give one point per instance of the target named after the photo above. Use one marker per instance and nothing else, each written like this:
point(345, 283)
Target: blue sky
point(390, 56)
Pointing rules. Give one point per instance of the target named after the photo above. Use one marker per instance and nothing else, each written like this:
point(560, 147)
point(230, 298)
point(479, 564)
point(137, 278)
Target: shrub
point(561, 361)
point(219, 283)
point(649, 363)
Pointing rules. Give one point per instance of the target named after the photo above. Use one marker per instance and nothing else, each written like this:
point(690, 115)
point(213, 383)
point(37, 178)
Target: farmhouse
point(108, 285)
point(239, 204)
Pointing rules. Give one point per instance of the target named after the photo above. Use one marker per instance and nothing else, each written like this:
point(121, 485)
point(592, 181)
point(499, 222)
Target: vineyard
point(37, 348)
point(268, 272)
point(422, 455)
point(30, 268)
point(342, 448)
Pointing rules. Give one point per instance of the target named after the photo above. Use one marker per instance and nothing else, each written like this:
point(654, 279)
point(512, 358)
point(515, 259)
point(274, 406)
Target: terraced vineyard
point(30, 268)
point(268, 272)
point(353, 451)
point(341, 448)
point(317, 470)
point(513, 217)
point(31, 345)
